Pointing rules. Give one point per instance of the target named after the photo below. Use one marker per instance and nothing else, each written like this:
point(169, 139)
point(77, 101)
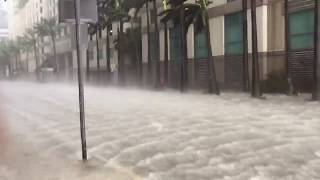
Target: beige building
point(24, 17)
point(226, 29)
point(226, 41)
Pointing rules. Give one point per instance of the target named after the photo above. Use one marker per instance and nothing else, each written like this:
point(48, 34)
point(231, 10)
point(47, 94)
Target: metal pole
point(80, 82)
point(315, 95)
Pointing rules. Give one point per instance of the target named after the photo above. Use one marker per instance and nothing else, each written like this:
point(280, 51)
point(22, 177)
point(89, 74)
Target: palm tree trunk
point(27, 59)
point(140, 73)
point(55, 56)
point(157, 47)
point(149, 44)
point(315, 94)
point(87, 66)
point(120, 58)
point(166, 55)
point(10, 68)
point(98, 54)
point(183, 50)
point(108, 51)
point(16, 62)
point(37, 60)
point(256, 89)
point(245, 68)
point(211, 65)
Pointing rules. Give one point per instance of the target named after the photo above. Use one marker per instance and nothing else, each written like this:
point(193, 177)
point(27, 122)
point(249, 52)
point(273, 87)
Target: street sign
point(79, 12)
point(88, 11)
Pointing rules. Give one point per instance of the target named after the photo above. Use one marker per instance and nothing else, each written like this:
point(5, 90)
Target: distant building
point(4, 33)
point(28, 16)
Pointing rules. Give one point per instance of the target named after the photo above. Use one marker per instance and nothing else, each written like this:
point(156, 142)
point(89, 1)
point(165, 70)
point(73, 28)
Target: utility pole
point(80, 82)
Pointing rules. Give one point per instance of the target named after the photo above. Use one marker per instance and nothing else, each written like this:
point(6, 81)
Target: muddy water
point(21, 158)
point(159, 135)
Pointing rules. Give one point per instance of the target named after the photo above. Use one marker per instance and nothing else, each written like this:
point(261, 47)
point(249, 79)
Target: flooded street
point(145, 135)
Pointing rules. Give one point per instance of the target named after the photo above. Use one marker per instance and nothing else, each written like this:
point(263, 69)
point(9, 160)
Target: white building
point(4, 33)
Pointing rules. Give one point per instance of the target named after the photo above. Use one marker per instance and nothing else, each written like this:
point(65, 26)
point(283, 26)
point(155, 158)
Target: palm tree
point(115, 10)
point(14, 52)
point(166, 51)
point(94, 30)
point(149, 41)
point(26, 46)
point(176, 14)
point(5, 56)
point(120, 14)
point(204, 17)
point(98, 31)
point(32, 36)
point(50, 27)
point(20, 47)
point(138, 4)
point(109, 27)
point(157, 44)
point(184, 14)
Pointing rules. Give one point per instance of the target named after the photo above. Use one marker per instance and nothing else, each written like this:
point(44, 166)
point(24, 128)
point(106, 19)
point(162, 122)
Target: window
point(233, 34)
point(201, 49)
point(301, 29)
point(175, 50)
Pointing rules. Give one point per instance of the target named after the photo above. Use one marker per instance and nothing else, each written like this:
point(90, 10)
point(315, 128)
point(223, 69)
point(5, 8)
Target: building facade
point(226, 30)
point(27, 16)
